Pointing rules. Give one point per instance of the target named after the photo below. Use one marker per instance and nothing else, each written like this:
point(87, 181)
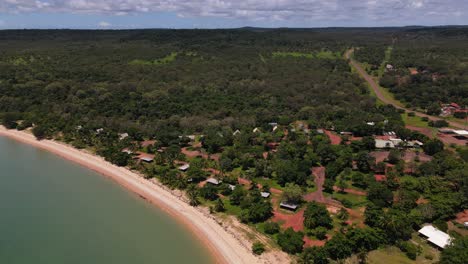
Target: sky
point(124, 14)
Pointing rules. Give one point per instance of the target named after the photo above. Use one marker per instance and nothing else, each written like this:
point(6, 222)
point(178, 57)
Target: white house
point(123, 136)
point(213, 181)
point(184, 167)
point(435, 236)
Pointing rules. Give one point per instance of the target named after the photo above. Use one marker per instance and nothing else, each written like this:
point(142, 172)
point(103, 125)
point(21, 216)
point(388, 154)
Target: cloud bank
point(253, 10)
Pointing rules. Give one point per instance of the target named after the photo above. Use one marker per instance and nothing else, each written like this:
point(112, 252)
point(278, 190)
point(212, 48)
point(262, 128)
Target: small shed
point(184, 167)
point(145, 157)
point(288, 206)
point(265, 194)
point(123, 136)
point(213, 181)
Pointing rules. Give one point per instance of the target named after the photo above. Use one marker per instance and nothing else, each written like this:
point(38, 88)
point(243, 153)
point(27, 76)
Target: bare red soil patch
point(294, 220)
point(198, 153)
point(313, 243)
point(380, 177)
point(462, 217)
point(379, 156)
point(334, 138)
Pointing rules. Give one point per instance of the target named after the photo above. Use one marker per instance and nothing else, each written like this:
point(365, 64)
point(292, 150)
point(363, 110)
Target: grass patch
point(270, 182)
point(231, 209)
point(165, 60)
point(328, 55)
point(391, 255)
point(356, 200)
point(414, 121)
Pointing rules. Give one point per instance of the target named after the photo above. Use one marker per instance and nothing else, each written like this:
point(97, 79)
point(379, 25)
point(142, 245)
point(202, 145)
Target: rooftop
point(184, 167)
point(435, 236)
point(213, 181)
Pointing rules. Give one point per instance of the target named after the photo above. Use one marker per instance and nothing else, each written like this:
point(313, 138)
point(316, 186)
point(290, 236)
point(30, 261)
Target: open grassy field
point(414, 121)
point(313, 55)
point(165, 60)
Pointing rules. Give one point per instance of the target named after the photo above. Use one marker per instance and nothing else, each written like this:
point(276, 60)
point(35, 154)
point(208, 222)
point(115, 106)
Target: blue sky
point(121, 14)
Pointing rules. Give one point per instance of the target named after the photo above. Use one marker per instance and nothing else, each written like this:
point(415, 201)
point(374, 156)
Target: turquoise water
point(54, 211)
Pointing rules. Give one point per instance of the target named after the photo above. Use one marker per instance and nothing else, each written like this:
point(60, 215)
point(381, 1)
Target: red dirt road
point(317, 196)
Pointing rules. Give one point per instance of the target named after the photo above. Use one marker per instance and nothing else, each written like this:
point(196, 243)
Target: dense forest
point(248, 121)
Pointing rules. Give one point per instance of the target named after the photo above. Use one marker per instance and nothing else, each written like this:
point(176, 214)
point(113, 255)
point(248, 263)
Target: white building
point(435, 236)
point(213, 181)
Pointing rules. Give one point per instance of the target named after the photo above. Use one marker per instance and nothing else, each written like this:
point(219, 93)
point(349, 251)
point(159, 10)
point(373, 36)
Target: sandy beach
point(224, 247)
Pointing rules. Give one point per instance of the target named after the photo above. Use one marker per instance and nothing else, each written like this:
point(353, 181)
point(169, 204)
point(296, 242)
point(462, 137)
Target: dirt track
point(376, 88)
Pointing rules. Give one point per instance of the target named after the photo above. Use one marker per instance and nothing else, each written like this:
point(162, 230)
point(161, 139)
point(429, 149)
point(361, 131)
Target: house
point(389, 67)
point(99, 130)
point(380, 177)
point(460, 134)
point(345, 133)
point(123, 136)
point(237, 132)
point(256, 130)
point(273, 124)
point(184, 167)
point(370, 123)
point(127, 150)
point(414, 143)
point(147, 143)
point(413, 71)
point(275, 128)
point(435, 236)
point(79, 127)
point(320, 131)
point(383, 144)
point(446, 131)
point(288, 206)
point(231, 187)
point(145, 157)
point(213, 181)
point(455, 105)
point(265, 194)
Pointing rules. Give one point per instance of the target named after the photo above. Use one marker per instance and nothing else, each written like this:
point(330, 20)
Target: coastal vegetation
point(271, 127)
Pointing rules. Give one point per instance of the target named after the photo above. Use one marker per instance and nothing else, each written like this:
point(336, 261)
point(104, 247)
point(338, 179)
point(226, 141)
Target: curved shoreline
point(223, 247)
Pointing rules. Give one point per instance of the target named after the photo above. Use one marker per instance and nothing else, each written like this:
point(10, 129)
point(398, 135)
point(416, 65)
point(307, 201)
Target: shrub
point(290, 241)
point(320, 232)
point(271, 228)
point(410, 249)
point(258, 248)
point(425, 118)
point(438, 123)
point(39, 132)
point(411, 114)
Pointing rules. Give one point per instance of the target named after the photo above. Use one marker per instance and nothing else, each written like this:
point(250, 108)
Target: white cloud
point(254, 10)
point(104, 24)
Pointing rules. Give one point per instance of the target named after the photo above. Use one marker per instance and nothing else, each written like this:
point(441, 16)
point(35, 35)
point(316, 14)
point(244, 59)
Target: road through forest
point(378, 92)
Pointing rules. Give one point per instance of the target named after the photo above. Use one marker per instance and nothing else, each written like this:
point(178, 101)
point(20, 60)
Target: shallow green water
point(54, 211)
